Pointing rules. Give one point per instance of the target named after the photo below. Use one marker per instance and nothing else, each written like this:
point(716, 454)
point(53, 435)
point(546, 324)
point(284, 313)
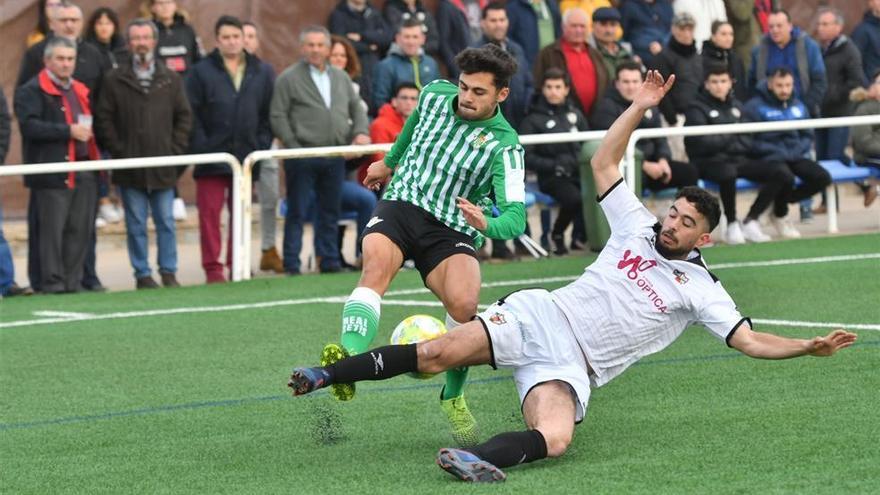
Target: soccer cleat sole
point(330, 355)
point(475, 472)
point(299, 382)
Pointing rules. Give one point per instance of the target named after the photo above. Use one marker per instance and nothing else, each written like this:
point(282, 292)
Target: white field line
point(503, 283)
point(63, 314)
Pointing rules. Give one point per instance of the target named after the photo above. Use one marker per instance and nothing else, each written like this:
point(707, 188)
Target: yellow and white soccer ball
point(417, 328)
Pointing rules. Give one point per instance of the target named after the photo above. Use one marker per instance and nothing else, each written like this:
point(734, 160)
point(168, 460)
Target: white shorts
point(529, 333)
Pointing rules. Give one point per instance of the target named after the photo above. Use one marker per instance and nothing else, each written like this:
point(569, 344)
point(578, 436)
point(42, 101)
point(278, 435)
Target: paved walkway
point(116, 273)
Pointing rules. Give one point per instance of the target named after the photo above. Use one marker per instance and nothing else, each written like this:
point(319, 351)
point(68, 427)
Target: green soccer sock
point(360, 320)
point(456, 377)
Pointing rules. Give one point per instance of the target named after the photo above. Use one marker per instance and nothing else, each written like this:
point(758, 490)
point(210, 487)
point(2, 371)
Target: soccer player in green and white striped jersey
point(454, 150)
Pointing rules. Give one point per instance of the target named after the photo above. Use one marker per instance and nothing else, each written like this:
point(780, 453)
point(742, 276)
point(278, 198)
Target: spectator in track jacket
point(406, 62)
point(229, 91)
point(776, 102)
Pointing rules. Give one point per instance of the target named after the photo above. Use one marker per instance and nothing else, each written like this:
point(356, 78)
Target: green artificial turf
point(195, 402)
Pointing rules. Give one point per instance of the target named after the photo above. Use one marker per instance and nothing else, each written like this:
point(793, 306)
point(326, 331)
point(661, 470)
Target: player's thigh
point(464, 345)
point(550, 408)
point(382, 259)
point(456, 282)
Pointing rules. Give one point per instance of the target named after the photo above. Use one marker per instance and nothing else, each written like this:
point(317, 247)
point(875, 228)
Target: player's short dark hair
point(489, 58)
point(400, 87)
point(627, 65)
point(555, 73)
point(227, 20)
point(716, 69)
point(494, 5)
point(780, 72)
point(704, 202)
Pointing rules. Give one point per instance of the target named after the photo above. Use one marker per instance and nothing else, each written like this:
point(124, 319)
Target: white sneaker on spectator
point(734, 234)
point(752, 232)
point(784, 227)
point(178, 209)
point(109, 213)
point(100, 223)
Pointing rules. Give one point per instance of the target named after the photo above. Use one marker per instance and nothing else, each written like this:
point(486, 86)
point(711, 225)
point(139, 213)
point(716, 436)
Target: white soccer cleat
point(784, 227)
point(752, 232)
point(734, 234)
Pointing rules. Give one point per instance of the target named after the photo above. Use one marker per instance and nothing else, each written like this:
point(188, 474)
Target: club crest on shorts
point(497, 319)
point(680, 276)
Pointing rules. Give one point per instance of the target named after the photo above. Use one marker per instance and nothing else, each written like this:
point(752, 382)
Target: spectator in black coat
point(102, 31)
point(680, 57)
point(364, 26)
point(179, 46)
point(67, 22)
point(722, 158)
point(456, 29)
point(230, 92)
point(718, 50)
point(843, 69)
point(396, 12)
point(534, 24)
point(556, 164)
point(653, 156)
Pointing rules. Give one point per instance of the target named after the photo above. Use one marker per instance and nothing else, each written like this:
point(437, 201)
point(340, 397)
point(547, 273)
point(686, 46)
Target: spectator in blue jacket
point(364, 26)
point(646, 26)
point(229, 91)
point(495, 26)
point(406, 62)
point(866, 36)
point(785, 45)
point(534, 24)
point(775, 102)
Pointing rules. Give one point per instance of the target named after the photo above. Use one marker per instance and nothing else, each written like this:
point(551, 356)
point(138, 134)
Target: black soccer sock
point(376, 364)
point(512, 448)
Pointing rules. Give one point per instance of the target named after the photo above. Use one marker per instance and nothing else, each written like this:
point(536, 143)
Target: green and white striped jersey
point(439, 156)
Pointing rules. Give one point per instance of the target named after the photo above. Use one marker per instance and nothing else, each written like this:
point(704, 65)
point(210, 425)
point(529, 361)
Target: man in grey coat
point(314, 104)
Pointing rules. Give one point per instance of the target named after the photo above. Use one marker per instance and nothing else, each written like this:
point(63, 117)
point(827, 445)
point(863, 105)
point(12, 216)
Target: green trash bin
point(598, 230)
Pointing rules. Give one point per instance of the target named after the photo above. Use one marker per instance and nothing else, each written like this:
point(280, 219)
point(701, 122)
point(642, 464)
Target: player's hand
point(831, 343)
point(653, 90)
point(473, 214)
point(655, 47)
point(666, 171)
point(377, 174)
point(653, 170)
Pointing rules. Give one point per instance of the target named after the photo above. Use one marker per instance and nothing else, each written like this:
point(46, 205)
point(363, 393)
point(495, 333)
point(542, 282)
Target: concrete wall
point(280, 22)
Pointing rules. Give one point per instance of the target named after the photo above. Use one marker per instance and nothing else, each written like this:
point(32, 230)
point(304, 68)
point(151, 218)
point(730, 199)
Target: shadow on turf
point(324, 425)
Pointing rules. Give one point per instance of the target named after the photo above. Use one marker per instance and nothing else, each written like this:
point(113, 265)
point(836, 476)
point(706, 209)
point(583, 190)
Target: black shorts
point(422, 238)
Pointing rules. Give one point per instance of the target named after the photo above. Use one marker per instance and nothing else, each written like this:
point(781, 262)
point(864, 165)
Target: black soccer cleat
point(468, 467)
point(305, 380)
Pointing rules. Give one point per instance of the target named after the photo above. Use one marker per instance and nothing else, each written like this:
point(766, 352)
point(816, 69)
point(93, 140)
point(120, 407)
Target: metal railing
point(155, 162)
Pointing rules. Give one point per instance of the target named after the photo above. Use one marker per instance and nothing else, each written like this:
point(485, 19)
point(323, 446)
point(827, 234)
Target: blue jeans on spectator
point(137, 203)
point(358, 198)
point(324, 176)
point(7, 269)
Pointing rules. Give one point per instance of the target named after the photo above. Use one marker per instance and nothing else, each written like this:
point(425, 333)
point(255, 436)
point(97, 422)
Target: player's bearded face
point(681, 231)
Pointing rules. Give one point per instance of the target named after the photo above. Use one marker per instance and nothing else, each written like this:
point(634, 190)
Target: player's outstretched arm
point(769, 346)
point(607, 158)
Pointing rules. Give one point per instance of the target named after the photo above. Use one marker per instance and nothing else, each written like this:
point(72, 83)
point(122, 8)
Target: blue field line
point(269, 398)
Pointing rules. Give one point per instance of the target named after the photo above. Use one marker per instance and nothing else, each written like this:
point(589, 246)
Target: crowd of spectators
point(101, 88)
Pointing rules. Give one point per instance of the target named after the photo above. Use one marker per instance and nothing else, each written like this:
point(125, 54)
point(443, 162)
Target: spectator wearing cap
point(866, 36)
point(495, 25)
point(582, 62)
point(396, 12)
point(606, 24)
point(785, 45)
point(680, 57)
point(406, 62)
point(704, 12)
point(589, 6)
point(534, 24)
point(646, 25)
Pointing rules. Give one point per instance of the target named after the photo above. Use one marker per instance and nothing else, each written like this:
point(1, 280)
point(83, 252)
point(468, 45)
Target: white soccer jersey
point(631, 301)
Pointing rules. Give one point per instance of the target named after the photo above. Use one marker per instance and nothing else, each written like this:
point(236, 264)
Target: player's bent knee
point(433, 357)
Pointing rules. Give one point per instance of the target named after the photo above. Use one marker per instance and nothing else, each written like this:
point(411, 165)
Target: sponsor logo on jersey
point(465, 245)
point(373, 221)
point(680, 276)
point(497, 319)
point(635, 267)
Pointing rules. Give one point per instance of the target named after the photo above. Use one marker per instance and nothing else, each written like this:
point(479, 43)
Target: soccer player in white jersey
point(454, 150)
point(647, 285)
